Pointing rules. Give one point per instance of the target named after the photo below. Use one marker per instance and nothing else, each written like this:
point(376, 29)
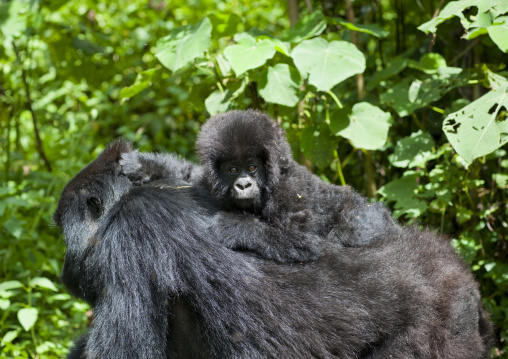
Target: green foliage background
point(404, 100)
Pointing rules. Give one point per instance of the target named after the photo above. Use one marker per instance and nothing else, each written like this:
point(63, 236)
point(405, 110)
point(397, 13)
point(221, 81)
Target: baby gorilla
point(275, 207)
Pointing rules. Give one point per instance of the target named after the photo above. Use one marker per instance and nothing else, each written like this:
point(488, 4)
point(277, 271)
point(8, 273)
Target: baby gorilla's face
point(244, 180)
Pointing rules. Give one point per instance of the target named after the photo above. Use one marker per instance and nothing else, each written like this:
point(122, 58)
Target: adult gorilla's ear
point(95, 207)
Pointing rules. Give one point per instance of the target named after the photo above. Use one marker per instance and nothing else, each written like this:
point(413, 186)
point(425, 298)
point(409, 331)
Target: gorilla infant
point(163, 286)
point(249, 169)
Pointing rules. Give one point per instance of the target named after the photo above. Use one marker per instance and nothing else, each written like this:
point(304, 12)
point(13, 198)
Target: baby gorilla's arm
point(243, 231)
point(142, 168)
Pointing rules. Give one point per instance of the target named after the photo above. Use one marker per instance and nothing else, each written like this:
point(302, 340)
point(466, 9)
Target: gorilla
point(273, 206)
point(163, 286)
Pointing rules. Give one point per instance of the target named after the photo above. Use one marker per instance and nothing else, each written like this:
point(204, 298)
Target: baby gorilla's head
point(244, 154)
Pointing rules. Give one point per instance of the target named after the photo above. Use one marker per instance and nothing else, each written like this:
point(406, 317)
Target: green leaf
point(309, 26)
point(221, 101)
point(463, 215)
point(248, 54)
point(501, 180)
point(27, 317)
point(184, 44)
point(281, 85)
point(224, 24)
point(218, 102)
point(430, 62)
point(4, 304)
point(10, 336)
point(393, 69)
point(456, 8)
point(405, 103)
point(371, 29)
point(318, 144)
point(481, 127)
point(11, 284)
point(143, 81)
point(327, 64)
point(13, 18)
point(413, 151)
point(14, 226)
point(498, 32)
point(43, 282)
point(367, 128)
point(279, 46)
point(403, 191)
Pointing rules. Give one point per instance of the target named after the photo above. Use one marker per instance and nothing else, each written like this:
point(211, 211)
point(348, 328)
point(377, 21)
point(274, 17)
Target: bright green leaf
point(11, 284)
point(217, 102)
point(456, 8)
point(501, 180)
point(143, 81)
point(27, 317)
point(184, 44)
point(481, 127)
point(499, 33)
point(413, 151)
point(281, 85)
point(368, 126)
point(4, 304)
point(42, 282)
point(248, 54)
point(327, 64)
point(430, 62)
point(10, 336)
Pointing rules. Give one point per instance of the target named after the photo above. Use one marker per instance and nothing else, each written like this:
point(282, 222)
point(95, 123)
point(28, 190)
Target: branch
point(30, 108)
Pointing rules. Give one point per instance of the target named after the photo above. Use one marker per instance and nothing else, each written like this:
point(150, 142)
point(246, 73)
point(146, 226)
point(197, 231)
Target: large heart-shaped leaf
point(184, 44)
point(366, 126)
point(481, 127)
point(280, 85)
point(327, 64)
point(248, 53)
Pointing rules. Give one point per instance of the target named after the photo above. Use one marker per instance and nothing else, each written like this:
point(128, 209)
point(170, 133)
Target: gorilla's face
point(245, 181)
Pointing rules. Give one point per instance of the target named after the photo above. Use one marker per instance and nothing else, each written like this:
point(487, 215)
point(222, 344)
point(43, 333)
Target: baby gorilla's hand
point(300, 221)
point(132, 168)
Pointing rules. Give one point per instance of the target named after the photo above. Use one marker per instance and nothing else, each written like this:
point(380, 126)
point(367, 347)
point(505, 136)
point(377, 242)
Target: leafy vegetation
point(406, 101)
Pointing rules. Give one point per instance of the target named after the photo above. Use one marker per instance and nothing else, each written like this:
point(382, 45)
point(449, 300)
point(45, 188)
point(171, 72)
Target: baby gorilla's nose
point(243, 183)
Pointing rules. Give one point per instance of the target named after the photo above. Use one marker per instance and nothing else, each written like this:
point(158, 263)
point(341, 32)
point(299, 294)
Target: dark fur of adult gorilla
point(249, 169)
point(162, 286)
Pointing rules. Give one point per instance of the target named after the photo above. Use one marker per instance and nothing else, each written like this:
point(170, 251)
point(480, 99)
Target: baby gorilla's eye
point(251, 168)
point(233, 170)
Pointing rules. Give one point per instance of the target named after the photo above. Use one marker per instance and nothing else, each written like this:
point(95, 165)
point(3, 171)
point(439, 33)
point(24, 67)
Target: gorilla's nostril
point(247, 185)
point(240, 187)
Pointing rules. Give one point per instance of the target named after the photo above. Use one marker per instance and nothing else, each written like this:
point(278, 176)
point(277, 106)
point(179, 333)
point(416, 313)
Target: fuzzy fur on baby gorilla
point(275, 207)
point(162, 286)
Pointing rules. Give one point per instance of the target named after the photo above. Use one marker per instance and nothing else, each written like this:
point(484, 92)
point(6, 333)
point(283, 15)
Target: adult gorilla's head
point(244, 154)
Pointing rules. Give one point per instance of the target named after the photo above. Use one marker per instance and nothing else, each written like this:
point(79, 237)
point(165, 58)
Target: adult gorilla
point(163, 287)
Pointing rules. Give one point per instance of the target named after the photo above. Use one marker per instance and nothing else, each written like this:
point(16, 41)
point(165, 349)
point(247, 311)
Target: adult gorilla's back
point(162, 286)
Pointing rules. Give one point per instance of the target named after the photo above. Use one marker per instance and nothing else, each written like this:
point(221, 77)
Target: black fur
point(294, 208)
point(162, 286)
